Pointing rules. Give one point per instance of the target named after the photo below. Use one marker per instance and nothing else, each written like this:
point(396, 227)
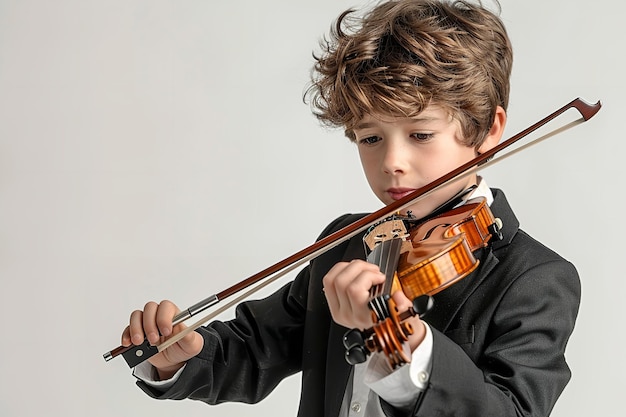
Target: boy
point(421, 87)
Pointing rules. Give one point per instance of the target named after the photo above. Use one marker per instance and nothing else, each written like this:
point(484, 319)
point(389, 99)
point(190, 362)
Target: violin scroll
point(360, 344)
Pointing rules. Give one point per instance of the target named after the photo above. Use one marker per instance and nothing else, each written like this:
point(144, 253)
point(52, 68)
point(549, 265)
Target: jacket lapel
point(337, 368)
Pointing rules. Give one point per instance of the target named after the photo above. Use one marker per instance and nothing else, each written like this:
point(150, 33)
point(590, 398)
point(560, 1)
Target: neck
point(456, 200)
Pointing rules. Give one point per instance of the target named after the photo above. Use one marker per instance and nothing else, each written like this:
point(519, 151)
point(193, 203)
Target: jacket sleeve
point(521, 368)
point(244, 359)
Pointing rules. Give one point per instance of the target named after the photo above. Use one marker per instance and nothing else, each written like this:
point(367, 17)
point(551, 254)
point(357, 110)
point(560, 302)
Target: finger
point(359, 289)
point(347, 287)
point(165, 315)
point(336, 281)
point(401, 300)
point(359, 297)
point(328, 282)
point(126, 339)
point(343, 274)
point(149, 322)
point(331, 298)
point(354, 284)
point(135, 328)
point(365, 269)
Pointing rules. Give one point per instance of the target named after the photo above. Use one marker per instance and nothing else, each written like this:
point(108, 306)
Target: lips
point(398, 193)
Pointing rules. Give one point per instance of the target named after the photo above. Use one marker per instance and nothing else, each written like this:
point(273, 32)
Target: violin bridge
point(388, 229)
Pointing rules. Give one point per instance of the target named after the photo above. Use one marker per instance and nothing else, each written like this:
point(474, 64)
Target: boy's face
point(400, 155)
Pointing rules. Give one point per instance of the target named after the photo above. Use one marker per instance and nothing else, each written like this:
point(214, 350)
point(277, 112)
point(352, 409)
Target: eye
point(369, 140)
point(422, 137)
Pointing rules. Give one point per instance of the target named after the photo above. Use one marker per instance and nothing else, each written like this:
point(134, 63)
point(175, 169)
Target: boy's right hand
point(155, 324)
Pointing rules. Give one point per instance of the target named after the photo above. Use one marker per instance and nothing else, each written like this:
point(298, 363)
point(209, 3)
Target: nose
point(395, 158)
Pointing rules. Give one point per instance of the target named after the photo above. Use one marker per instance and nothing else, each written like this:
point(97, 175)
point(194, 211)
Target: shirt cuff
point(400, 387)
point(147, 373)
point(421, 360)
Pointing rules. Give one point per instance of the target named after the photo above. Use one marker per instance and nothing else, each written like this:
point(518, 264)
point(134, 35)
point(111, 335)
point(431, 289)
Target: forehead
point(432, 113)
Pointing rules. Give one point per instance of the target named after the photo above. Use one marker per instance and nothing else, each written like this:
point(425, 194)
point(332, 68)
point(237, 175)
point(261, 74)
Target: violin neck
point(386, 255)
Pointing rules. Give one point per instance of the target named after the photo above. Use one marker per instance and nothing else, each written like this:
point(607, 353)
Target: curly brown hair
point(406, 54)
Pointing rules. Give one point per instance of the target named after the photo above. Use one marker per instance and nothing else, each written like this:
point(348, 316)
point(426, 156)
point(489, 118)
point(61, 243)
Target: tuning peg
point(354, 343)
point(352, 338)
point(356, 354)
point(422, 304)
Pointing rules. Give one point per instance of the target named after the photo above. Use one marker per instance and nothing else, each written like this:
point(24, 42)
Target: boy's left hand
point(347, 288)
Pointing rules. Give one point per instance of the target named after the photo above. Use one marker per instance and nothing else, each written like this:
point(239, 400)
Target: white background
point(160, 149)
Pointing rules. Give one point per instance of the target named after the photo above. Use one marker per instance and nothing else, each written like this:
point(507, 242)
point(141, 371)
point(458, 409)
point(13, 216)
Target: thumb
point(401, 300)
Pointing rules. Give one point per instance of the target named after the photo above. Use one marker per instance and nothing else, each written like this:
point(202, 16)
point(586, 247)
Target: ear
point(496, 131)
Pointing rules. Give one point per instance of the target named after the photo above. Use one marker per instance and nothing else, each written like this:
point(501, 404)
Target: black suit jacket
point(499, 337)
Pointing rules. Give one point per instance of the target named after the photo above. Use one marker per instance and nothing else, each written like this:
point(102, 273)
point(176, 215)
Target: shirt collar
point(482, 190)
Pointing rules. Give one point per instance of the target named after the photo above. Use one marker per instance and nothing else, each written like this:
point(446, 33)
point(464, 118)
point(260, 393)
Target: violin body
point(442, 248)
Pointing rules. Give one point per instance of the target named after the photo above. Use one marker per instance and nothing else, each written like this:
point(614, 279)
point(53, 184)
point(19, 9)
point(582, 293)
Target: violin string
point(376, 258)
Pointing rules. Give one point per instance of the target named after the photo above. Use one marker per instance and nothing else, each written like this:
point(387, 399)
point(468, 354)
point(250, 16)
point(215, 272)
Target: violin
point(419, 272)
point(420, 260)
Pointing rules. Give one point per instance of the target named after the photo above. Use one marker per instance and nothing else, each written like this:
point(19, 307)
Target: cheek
point(453, 160)
point(368, 163)
point(439, 168)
